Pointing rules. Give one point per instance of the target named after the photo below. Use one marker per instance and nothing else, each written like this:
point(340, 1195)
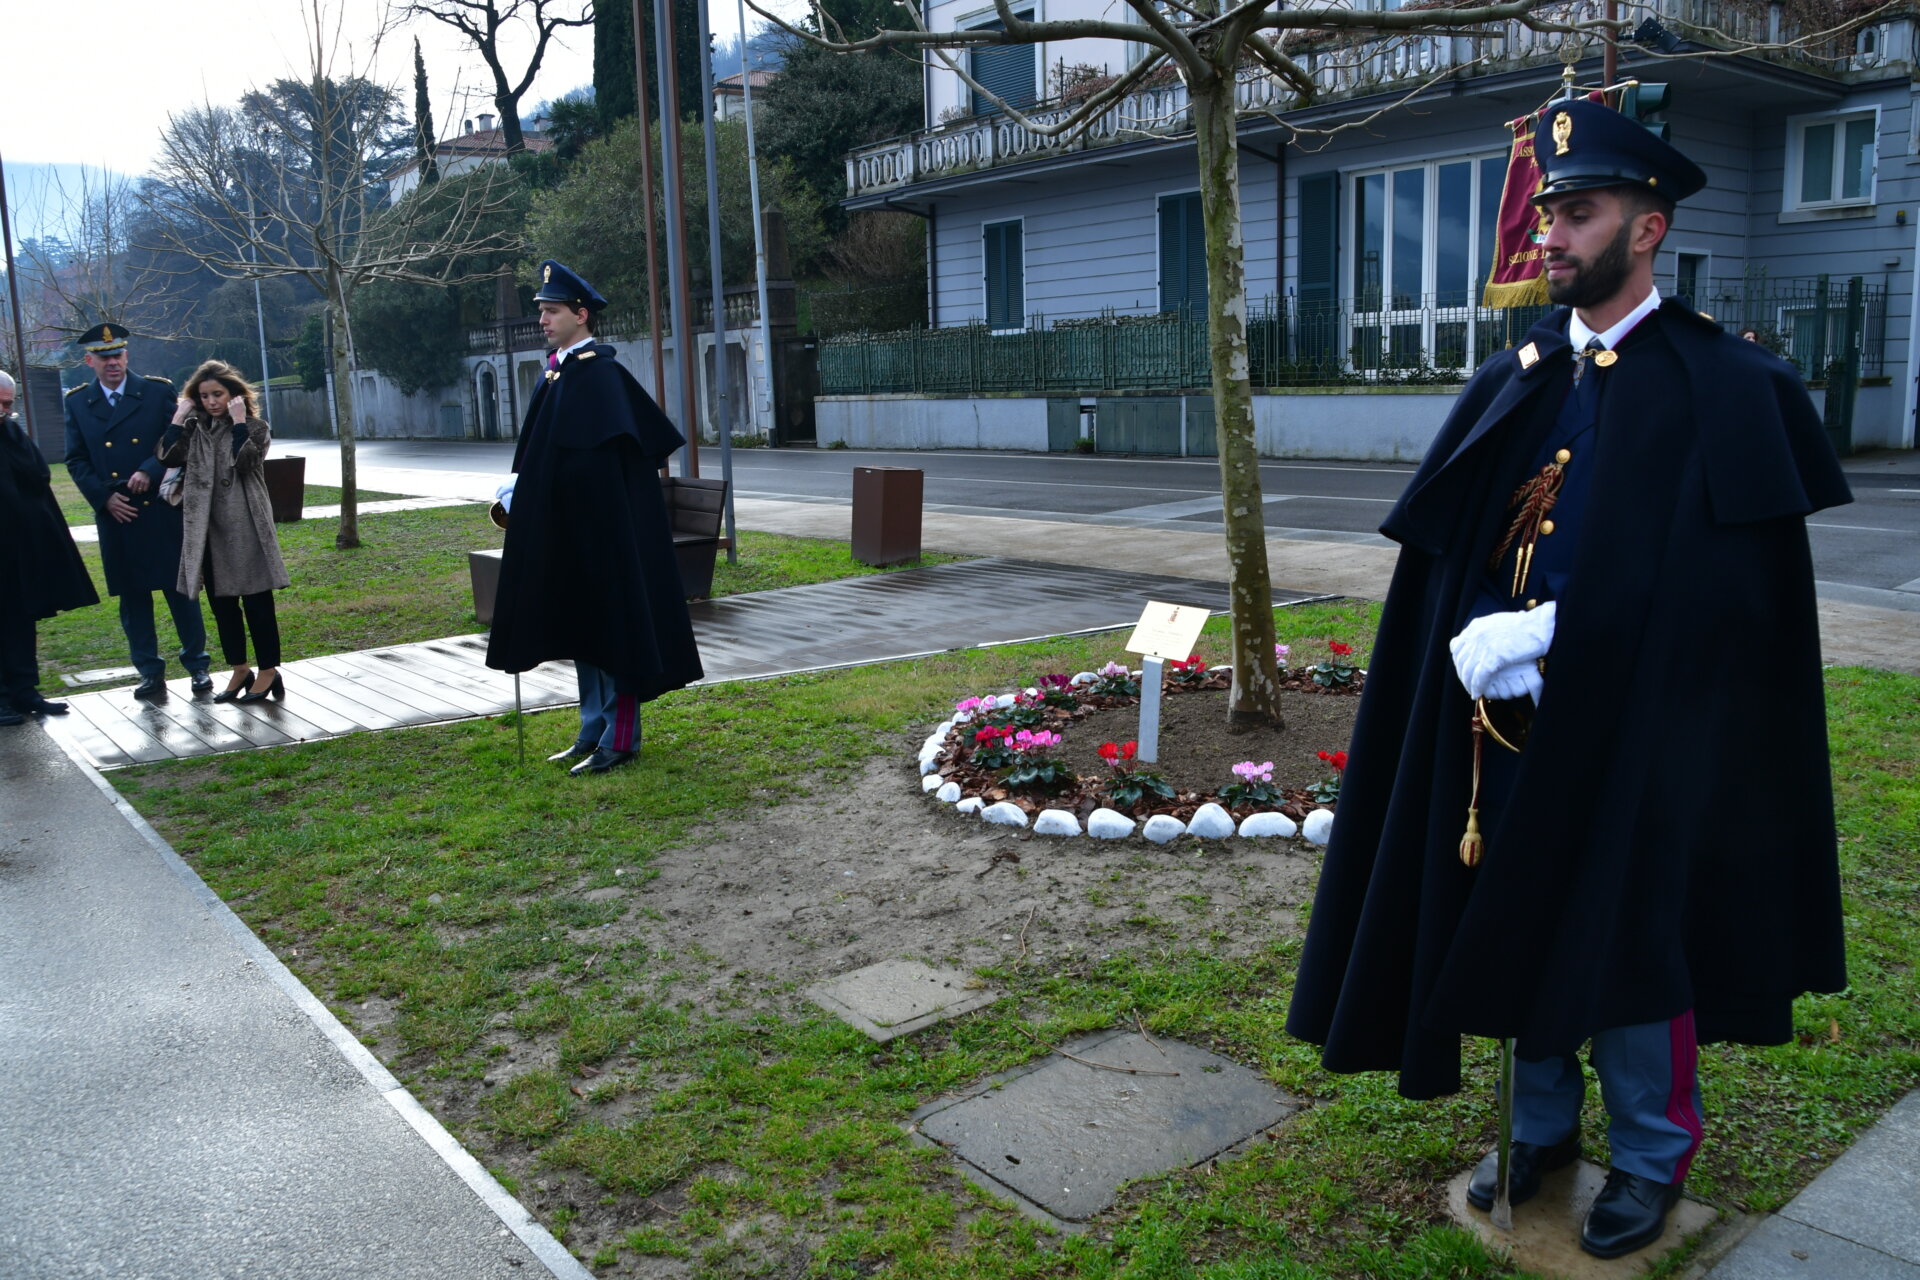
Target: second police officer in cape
point(1601, 638)
point(589, 571)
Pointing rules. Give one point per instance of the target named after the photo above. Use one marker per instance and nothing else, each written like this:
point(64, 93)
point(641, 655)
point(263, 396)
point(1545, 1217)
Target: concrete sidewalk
point(176, 1104)
point(1860, 1219)
point(1850, 634)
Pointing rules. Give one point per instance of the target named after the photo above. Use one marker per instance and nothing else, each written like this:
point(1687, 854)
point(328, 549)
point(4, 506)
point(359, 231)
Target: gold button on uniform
point(136, 439)
point(1546, 526)
point(1533, 604)
point(116, 475)
point(109, 444)
point(1563, 457)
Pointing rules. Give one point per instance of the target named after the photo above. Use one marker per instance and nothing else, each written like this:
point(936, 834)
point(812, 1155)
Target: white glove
point(504, 495)
point(1490, 645)
point(1521, 680)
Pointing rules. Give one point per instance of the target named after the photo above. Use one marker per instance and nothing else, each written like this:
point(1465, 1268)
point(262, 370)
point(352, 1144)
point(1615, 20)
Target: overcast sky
point(96, 88)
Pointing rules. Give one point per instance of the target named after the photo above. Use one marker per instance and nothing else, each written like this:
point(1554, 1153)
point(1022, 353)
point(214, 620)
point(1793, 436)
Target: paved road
point(1866, 553)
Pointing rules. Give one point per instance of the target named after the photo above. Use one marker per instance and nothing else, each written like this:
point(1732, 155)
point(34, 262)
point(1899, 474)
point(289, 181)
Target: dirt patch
point(874, 871)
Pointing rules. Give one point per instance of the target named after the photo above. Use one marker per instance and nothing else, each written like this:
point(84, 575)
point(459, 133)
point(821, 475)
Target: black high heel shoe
point(278, 689)
point(233, 694)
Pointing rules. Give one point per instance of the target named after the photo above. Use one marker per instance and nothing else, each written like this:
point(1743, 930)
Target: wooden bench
point(696, 509)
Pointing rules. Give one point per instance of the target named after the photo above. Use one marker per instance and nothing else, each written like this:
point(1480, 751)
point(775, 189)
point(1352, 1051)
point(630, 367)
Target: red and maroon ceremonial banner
point(1518, 276)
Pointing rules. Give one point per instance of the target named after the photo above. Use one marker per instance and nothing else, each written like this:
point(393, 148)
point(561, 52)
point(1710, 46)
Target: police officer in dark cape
point(589, 571)
point(41, 572)
point(1601, 638)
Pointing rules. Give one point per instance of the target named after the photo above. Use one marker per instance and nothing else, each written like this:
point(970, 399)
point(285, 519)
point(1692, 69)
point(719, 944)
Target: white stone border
point(1209, 822)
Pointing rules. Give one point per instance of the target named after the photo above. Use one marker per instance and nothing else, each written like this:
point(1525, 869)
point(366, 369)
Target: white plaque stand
point(1164, 631)
point(1149, 751)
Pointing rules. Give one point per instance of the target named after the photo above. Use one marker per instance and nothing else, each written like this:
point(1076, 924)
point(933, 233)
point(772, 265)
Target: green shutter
point(1319, 249)
point(1005, 275)
point(1007, 70)
point(1317, 312)
point(1183, 255)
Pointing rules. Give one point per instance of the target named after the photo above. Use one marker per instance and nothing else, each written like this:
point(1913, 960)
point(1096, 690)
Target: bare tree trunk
point(509, 108)
point(1255, 699)
point(349, 532)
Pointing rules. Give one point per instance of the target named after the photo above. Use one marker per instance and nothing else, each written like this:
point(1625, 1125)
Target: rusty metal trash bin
point(286, 487)
point(886, 514)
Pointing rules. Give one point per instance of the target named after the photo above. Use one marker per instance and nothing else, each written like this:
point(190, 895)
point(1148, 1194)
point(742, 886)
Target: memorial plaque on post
point(1164, 631)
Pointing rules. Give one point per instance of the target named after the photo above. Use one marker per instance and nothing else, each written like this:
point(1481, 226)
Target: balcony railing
point(1364, 67)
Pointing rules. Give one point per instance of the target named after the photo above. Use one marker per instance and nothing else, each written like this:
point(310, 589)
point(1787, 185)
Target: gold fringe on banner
point(1516, 293)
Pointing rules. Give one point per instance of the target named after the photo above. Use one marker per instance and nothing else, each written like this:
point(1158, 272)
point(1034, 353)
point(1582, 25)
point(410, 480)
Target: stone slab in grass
point(1546, 1229)
point(1061, 1136)
point(100, 675)
point(899, 997)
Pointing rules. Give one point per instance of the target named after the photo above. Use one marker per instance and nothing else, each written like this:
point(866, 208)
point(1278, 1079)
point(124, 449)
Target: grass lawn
point(453, 919)
point(407, 581)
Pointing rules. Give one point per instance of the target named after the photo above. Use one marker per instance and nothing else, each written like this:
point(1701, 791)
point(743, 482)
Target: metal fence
point(1386, 342)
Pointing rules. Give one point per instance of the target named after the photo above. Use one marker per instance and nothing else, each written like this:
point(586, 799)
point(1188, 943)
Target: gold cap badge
point(546, 275)
point(1562, 133)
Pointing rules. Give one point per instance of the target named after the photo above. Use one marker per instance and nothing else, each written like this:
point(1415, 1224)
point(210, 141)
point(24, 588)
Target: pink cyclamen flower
point(1252, 772)
point(1280, 653)
point(1114, 669)
point(967, 704)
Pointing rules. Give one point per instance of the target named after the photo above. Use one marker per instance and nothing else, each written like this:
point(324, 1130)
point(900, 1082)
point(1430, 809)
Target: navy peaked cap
point(558, 283)
point(1581, 144)
point(103, 339)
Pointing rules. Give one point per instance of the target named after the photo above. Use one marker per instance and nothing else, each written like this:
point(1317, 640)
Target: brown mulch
point(1197, 749)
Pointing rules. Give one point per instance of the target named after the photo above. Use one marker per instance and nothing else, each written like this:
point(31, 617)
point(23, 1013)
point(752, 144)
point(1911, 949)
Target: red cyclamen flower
point(1340, 650)
point(1109, 751)
point(1130, 750)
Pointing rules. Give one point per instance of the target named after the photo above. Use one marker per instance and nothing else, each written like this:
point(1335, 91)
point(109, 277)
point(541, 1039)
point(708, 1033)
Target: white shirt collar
point(564, 352)
point(1579, 333)
point(114, 391)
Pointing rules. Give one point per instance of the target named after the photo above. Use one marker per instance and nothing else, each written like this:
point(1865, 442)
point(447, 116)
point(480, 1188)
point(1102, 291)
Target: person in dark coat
point(114, 426)
point(41, 572)
point(589, 571)
point(1605, 566)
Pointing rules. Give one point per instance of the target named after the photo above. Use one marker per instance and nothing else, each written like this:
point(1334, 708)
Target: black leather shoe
point(573, 752)
point(151, 689)
point(39, 706)
point(202, 681)
point(1630, 1213)
point(1530, 1162)
point(602, 761)
point(11, 717)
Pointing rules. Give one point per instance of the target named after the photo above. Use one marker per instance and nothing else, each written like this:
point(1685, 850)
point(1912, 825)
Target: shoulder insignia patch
point(1529, 356)
point(75, 390)
point(154, 377)
point(585, 355)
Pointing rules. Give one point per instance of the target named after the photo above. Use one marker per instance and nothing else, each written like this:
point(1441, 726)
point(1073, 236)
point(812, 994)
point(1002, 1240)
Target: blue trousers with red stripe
point(609, 719)
point(1650, 1083)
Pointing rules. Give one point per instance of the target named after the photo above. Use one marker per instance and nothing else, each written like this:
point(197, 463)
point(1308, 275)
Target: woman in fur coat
point(228, 544)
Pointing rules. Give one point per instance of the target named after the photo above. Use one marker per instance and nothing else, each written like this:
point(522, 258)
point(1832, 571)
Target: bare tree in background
point(1219, 50)
point(308, 200)
point(84, 267)
point(483, 22)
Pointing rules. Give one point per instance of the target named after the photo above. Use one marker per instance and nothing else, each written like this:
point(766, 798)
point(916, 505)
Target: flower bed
point(1061, 754)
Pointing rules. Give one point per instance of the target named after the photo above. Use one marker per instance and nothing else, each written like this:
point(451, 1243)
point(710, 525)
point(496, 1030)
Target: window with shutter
point(1006, 282)
point(1183, 255)
point(1009, 71)
point(1317, 323)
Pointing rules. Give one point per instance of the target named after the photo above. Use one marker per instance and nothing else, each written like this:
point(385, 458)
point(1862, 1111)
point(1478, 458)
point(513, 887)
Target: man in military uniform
point(114, 424)
point(1599, 659)
point(589, 571)
point(41, 572)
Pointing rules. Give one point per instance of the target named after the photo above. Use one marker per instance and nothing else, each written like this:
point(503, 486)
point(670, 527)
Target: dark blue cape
point(589, 571)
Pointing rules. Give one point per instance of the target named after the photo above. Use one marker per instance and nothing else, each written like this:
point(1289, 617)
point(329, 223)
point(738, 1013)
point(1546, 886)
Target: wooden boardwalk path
point(842, 623)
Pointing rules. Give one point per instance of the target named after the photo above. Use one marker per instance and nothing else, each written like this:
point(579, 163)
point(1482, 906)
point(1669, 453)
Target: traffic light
point(1647, 104)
